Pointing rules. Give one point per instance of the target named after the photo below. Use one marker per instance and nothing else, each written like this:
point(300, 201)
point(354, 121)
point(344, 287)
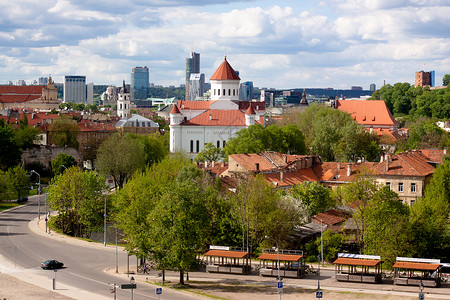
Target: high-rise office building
point(196, 85)
point(140, 83)
point(74, 89)
point(246, 91)
point(192, 66)
point(90, 93)
point(43, 80)
point(373, 87)
point(433, 78)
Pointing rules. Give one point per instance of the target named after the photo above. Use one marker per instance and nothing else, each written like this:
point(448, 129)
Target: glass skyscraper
point(140, 83)
point(192, 66)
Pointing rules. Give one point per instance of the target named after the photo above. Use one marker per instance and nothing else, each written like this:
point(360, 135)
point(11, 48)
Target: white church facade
point(196, 123)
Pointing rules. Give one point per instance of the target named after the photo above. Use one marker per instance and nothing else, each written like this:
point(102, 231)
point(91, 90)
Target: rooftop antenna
point(225, 53)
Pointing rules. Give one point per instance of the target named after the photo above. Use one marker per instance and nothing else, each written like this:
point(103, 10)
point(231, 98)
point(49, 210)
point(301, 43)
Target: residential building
point(195, 123)
point(137, 124)
point(369, 113)
point(140, 83)
point(74, 89)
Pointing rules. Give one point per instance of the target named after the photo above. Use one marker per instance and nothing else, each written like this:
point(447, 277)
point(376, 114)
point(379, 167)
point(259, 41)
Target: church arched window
point(218, 92)
point(192, 146)
point(224, 93)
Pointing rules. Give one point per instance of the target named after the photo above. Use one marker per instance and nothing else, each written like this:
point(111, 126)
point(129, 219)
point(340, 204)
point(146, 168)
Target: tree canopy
point(10, 152)
point(62, 162)
point(256, 139)
point(64, 132)
point(210, 153)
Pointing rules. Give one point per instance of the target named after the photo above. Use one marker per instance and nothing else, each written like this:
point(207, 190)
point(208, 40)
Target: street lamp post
point(104, 226)
point(278, 263)
point(39, 193)
point(318, 272)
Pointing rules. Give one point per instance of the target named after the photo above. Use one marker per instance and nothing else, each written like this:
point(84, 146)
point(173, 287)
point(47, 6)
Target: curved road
point(84, 273)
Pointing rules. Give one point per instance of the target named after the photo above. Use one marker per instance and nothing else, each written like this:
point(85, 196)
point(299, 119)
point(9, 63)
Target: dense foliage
point(405, 99)
point(256, 139)
point(62, 162)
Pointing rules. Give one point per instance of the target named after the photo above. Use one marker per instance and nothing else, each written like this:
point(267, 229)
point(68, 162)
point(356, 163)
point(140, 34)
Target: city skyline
point(316, 44)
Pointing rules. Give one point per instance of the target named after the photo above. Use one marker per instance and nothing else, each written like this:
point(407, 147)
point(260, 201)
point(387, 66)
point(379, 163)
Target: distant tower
point(373, 87)
point(432, 78)
point(422, 79)
point(250, 116)
point(246, 90)
point(303, 101)
point(123, 103)
point(192, 66)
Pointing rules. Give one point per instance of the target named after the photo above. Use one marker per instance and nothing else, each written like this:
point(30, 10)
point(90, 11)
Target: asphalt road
point(84, 267)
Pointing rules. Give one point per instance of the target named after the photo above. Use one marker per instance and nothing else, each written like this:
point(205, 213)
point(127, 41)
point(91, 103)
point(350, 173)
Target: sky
point(277, 44)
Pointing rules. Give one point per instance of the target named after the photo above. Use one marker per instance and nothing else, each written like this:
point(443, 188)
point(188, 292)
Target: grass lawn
point(6, 205)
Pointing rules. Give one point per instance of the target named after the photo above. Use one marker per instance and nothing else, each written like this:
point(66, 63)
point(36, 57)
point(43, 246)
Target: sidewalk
point(233, 287)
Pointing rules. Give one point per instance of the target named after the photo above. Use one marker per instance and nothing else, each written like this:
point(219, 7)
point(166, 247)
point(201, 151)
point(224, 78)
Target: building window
point(224, 93)
point(223, 143)
point(234, 92)
point(218, 91)
point(198, 146)
point(400, 187)
point(192, 146)
point(120, 106)
point(388, 184)
point(229, 92)
point(137, 123)
point(214, 92)
point(218, 144)
point(413, 188)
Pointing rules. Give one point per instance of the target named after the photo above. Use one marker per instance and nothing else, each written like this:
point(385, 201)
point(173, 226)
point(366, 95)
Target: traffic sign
point(128, 286)
point(158, 291)
point(280, 284)
point(421, 296)
point(319, 294)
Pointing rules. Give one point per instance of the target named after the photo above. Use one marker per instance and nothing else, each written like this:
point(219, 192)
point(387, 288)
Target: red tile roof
point(291, 178)
point(18, 98)
point(226, 253)
point(194, 105)
point(218, 117)
point(225, 72)
point(249, 160)
point(282, 257)
point(331, 217)
point(411, 163)
point(368, 112)
point(415, 266)
point(257, 106)
point(250, 111)
point(433, 155)
point(357, 262)
point(20, 93)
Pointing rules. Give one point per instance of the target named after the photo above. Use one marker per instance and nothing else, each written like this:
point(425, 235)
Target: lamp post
point(318, 272)
point(132, 285)
point(278, 255)
point(104, 225)
point(39, 193)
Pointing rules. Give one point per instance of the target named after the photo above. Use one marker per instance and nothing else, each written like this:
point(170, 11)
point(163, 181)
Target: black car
point(51, 264)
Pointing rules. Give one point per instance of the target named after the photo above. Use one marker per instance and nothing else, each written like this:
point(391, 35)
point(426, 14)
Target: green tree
point(333, 243)
point(388, 231)
point(315, 196)
point(62, 162)
point(425, 134)
point(25, 134)
point(78, 198)
point(5, 186)
point(64, 132)
point(10, 152)
point(154, 147)
point(210, 153)
point(19, 181)
point(120, 156)
point(446, 79)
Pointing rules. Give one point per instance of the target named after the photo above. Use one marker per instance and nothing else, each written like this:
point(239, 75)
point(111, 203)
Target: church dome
point(225, 72)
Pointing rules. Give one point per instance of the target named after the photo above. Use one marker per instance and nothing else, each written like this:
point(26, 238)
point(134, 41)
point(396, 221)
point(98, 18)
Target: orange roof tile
point(282, 257)
point(249, 161)
point(225, 72)
point(433, 155)
point(291, 178)
point(357, 262)
point(21, 89)
point(368, 112)
point(331, 217)
point(415, 266)
point(18, 98)
point(250, 111)
point(175, 110)
point(257, 106)
point(226, 253)
point(405, 164)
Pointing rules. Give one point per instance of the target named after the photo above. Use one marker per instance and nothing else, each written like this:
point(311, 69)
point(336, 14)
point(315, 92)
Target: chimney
point(349, 170)
point(281, 175)
point(257, 167)
point(212, 164)
point(338, 166)
point(388, 160)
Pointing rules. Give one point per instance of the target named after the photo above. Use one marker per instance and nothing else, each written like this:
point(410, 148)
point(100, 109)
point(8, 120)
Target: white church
point(196, 123)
